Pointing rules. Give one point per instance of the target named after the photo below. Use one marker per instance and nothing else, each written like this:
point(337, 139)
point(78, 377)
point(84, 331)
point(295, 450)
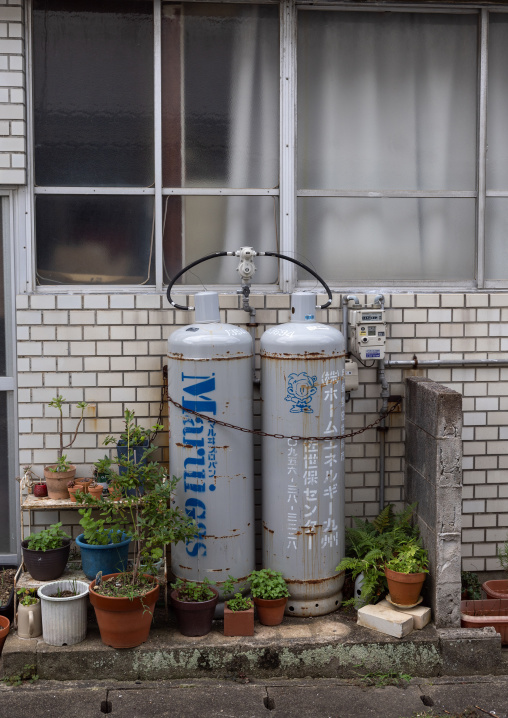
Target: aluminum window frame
point(287, 191)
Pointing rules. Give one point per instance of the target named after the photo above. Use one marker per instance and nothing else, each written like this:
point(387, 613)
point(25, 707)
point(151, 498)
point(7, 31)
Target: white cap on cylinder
point(303, 307)
point(206, 307)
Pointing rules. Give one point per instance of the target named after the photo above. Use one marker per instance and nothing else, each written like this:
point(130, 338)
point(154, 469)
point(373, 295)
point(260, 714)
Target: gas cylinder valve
point(246, 268)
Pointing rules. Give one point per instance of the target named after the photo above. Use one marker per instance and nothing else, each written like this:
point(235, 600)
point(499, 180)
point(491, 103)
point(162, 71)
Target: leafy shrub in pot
point(57, 475)
point(148, 517)
point(270, 594)
point(45, 554)
point(194, 606)
point(238, 612)
point(405, 574)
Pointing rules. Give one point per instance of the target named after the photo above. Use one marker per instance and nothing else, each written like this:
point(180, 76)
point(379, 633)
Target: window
point(164, 131)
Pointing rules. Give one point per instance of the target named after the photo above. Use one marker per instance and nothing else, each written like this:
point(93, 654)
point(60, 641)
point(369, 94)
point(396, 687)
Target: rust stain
point(313, 581)
point(220, 538)
point(270, 531)
point(186, 568)
point(237, 357)
point(183, 446)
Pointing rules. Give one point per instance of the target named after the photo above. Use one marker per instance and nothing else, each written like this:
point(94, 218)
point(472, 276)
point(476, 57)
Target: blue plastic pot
point(111, 558)
point(137, 454)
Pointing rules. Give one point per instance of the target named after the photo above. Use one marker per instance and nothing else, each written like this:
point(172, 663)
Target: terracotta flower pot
point(95, 491)
point(238, 623)
point(496, 589)
point(5, 626)
point(404, 588)
point(483, 613)
point(115, 492)
point(194, 617)
point(124, 622)
point(83, 484)
point(73, 490)
point(270, 611)
point(40, 490)
point(57, 481)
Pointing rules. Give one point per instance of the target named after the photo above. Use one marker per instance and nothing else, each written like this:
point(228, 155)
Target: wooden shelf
point(34, 503)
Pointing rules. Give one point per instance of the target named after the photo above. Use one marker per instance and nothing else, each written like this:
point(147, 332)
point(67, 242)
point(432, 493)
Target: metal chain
point(258, 432)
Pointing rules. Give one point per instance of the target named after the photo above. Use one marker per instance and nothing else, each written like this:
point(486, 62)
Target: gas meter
point(367, 333)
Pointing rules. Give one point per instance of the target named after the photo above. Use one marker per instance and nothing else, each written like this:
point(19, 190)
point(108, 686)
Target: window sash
point(287, 191)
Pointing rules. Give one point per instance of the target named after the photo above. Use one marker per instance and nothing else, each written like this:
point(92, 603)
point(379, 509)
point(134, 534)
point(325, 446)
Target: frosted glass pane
point(221, 109)
point(94, 240)
point(93, 93)
point(497, 113)
point(386, 100)
point(202, 225)
point(496, 241)
point(362, 239)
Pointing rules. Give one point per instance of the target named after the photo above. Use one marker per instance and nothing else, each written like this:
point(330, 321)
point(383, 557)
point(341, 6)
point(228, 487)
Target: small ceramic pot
point(73, 490)
point(83, 484)
point(40, 490)
point(95, 491)
point(29, 620)
point(270, 611)
point(238, 623)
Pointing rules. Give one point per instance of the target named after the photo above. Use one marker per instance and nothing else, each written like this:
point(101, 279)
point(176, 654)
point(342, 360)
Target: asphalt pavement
point(471, 697)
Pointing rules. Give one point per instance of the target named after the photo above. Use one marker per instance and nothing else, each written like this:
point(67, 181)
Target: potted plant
point(7, 575)
point(5, 627)
point(498, 588)
point(45, 553)
point(64, 605)
point(405, 574)
point(369, 545)
point(470, 586)
point(58, 475)
point(270, 594)
point(132, 446)
point(124, 603)
point(29, 613)
point(194, 606)
point(103, 547)
point(238, 612)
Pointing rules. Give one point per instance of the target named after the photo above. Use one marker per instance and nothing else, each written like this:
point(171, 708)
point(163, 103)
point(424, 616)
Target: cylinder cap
point(303, 307)
point(206, 307)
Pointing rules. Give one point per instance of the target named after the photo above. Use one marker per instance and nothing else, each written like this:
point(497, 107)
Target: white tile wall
point(109, 351)
point(12, 95)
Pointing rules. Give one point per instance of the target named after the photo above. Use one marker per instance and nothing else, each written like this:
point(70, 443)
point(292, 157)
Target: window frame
point(287, 192)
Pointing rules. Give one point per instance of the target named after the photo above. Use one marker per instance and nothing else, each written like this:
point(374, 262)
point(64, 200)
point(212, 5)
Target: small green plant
point(412, 558)
point(57, 403)
point(28, 674)
point(27, 596)
point(97, 532)
point(48, 539)
point(236, 602)
point(61, 465)
point(239, 603)
point(267, 584)
point(502, 555)
point(192, 591)
point(471, 586)
point(380, 680)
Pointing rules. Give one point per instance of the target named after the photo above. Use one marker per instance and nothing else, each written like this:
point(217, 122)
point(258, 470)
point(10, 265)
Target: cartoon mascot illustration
point(300, 390)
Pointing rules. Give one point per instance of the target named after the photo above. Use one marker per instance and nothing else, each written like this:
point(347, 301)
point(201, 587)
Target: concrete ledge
point(328, 647)
point(471, 651)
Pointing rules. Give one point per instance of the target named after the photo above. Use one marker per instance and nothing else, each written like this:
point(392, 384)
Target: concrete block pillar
point(433, 479)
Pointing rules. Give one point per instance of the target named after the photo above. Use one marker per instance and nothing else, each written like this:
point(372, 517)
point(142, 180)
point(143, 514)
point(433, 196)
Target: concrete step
point(331, 646)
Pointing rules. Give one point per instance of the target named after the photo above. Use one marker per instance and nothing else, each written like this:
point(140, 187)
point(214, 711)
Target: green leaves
point(191, 591)
point(412, 558)
point(239, 603)
point(48, 539)
point(267, 584)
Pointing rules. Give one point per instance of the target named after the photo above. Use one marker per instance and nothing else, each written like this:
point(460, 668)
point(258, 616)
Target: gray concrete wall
point(433, 479)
